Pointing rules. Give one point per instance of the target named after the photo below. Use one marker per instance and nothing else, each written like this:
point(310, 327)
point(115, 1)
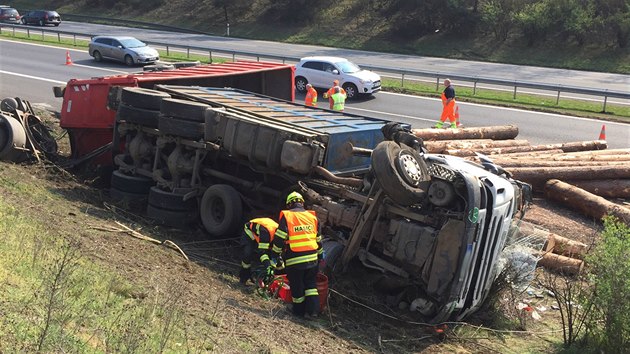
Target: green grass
point(526, 101)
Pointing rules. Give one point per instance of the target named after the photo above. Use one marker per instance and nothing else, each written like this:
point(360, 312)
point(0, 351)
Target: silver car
point(128, 50)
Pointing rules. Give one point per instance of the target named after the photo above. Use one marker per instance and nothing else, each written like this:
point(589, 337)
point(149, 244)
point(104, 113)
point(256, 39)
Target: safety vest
point(252, 229)
point(311, 98)
point(302, 230)
point(339, 100)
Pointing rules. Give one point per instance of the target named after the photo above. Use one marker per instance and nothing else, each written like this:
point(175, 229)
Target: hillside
point(542, 33)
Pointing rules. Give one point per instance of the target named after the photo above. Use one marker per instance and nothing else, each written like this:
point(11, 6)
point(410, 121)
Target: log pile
point(580, 175)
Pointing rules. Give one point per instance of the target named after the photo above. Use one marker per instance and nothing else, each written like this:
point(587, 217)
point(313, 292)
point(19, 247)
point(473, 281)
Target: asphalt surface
point(30, 71)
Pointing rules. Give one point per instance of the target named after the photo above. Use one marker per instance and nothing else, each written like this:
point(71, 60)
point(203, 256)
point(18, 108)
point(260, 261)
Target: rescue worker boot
point(244, 275)
point(439, 125)
point(453, 125)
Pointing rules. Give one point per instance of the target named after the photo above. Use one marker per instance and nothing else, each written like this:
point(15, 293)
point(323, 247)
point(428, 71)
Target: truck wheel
point(351, 91)
point(12, 135)
point(140, 116)
point(8, 104)
point(441, 193)
point(221, 210)
point(300, 84)
point(174, 218)
point(401, 172)
point(181, 127)
point(162, 199)
point(332, 255)
point(184, 109)
point(143, 98)
point(128, 200)
point(132, 184)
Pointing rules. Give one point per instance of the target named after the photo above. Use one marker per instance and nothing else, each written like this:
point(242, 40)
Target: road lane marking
point(103, 69)
point(32, 77)
point(391, 114)
point(43, 45)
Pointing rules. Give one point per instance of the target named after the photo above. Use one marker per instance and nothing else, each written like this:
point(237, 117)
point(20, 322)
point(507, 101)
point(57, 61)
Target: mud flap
point(439, 272)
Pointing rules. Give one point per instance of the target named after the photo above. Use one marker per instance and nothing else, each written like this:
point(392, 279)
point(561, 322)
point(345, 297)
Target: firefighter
point(258, 235)
point(331, 91)
point(339, 99)
point(311, 96)
point(298, 240)
point(450, 110)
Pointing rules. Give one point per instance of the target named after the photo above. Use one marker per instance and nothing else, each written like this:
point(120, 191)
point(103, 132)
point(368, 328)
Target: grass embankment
point(56, 300)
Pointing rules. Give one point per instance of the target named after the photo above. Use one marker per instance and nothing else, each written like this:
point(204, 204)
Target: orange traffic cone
point(68, 60)
point(602, 134)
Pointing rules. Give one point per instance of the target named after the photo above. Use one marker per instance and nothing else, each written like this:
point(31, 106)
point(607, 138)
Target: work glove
point(244, 275)
point(268, 267)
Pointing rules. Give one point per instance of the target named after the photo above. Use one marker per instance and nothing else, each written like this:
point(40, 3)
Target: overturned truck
point(434, 223)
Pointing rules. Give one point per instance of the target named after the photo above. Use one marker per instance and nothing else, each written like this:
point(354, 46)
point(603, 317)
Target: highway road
point(30, 71)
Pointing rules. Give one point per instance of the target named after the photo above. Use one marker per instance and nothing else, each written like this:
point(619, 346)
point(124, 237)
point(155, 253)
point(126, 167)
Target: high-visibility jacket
point(262, 231)
point(298, 237)
point(450, 110)
point(339, 101)
point(328, 94)
point(311, 97)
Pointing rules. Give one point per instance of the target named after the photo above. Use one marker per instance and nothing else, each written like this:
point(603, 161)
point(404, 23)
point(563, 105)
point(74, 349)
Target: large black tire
point(175, 218)
point(12, 135)
point(131, 184)
point(185, 64)
point(351, 90)
point(145, 117)
point(184, 109)
point(401, 172)
point(143, 98)
point(97, 56)
point(332, 257)
point(221, 210)
point(128, 200)
point(300, 84)
point(181, 127)
point(170, 201)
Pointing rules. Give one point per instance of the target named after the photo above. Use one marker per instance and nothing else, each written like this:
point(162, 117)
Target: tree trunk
point(565, 246)
point(587, 203)
point(607, 188)
point(538, 174)
point(561, 264)
point(510, 163)
point(565, 147)
point(438, 147)
point(494, 133)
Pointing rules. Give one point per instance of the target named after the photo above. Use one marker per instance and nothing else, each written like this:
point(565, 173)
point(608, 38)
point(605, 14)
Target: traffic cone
point(602, 134)
point(68, 60)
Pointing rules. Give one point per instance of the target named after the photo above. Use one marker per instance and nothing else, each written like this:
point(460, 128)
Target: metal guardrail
point(397, 71)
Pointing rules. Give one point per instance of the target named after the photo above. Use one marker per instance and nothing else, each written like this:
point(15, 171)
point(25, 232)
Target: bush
point(610, 277)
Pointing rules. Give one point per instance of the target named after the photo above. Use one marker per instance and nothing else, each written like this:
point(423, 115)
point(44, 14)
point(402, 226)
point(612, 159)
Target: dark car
point(41, 17)
point(9, 14)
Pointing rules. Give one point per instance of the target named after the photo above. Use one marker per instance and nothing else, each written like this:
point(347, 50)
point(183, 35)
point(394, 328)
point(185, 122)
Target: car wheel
point(300, 84)
point(97, 55)
point(221, 210)
point(351, 90)
point(41, 22)
point(129, 60)
point(401, 172)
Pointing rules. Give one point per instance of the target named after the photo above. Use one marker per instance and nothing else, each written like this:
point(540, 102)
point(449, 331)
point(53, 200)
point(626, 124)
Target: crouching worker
point(257, 237)
point(297, 239)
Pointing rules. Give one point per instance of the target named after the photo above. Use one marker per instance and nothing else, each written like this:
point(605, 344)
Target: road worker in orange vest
point(331, 91)
point(450, 109)
point(339, 99)
point(258, 235)
point(298, 240)
point(311, 96)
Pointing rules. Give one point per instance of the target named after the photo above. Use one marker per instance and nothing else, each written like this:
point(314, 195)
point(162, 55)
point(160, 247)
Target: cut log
point(566, 247)
point(531, 154)
point(438, 147)
point(607, 188)
point(565, 147)
point(586, 203)
point(494, 133)
point(538, 163)
point(561, 264)
point(534, 175)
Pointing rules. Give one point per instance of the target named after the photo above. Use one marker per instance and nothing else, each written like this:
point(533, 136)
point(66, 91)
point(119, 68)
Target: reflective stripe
point(301, 259)
point(281, 234)
point(320, 251)
point(311, 292)
point(298, 300)
point(245, 265)
point(264, 257)
point(263, 246)
point(249, 232)
point(276, 249)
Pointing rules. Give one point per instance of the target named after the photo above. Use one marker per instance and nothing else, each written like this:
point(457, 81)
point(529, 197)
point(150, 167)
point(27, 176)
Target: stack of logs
point(579, 175)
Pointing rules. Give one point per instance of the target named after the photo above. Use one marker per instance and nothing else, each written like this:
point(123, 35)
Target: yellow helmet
point(294, 197)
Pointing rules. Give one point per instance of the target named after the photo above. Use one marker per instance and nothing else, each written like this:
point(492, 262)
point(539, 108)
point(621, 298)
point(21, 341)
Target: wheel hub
point(411, 169)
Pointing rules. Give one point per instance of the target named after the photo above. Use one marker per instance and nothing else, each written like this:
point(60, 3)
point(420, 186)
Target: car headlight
point(366, 82)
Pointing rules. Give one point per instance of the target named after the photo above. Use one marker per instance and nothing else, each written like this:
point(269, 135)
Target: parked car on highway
point(322, 71)
point(128, 50)
point(41, 17)
point(9, 14)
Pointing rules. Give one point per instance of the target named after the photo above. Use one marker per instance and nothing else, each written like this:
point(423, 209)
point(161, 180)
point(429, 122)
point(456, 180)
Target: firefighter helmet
point(294, 197)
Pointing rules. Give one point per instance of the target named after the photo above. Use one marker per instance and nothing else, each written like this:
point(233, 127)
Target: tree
point(497, 16)
point(535, 20)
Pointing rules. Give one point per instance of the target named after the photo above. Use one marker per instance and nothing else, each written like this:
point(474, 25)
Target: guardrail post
point(167, 51)
point(13, 31)
point(402, 80)
point(43, 36)
point(437, 84)
point(210, 56)
point(514, 96)
point(605, 100)
point(28, 33)
point(74, 39)
point(257, 58)
point(58, 37)
point(474, 87)
point(558, 98)
point(233, 56)
point(188, 52)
